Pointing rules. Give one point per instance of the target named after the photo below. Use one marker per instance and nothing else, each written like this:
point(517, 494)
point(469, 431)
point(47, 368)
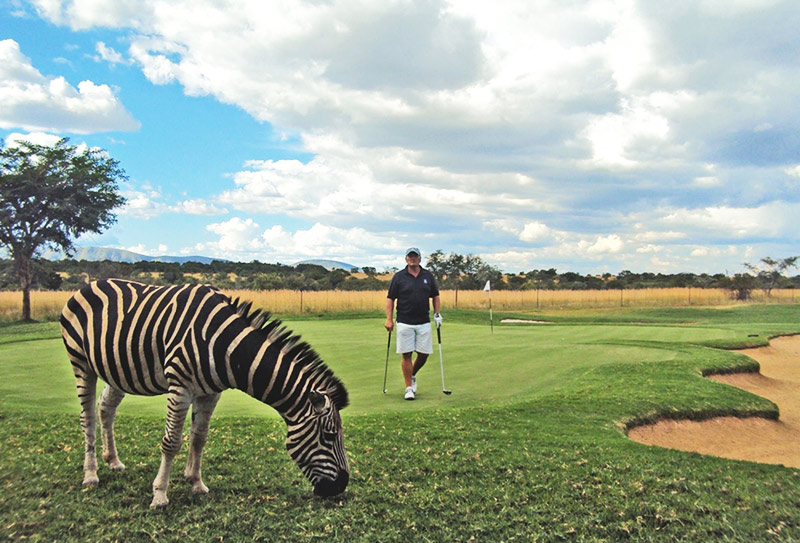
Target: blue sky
point(589, 136)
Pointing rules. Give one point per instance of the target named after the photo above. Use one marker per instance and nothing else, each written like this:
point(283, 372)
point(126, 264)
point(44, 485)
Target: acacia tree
point(770, 271)
point(50, 195)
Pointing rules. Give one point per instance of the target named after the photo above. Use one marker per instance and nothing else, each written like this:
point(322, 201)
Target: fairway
point(530, 446)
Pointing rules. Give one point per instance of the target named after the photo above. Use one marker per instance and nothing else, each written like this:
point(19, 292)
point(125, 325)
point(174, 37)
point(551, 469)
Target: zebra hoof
point(116, 466)
point(199, 488)
point(90, 480)
point(159, 503)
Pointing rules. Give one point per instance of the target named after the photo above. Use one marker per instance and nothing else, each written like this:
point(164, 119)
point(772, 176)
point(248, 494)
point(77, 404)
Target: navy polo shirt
point(412, 294)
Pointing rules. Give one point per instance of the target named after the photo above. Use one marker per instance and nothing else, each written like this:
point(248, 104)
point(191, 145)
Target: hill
point(98, 254)
point(330, 264)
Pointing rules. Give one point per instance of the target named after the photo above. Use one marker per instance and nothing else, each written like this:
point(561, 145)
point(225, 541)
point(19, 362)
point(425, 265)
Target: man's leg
point(408, 368)
point(419, 362)
point(423, 346)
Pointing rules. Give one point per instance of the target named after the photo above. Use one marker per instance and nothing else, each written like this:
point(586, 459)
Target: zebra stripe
point(191, 342)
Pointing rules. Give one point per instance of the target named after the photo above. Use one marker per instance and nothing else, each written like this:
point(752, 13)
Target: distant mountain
point(99, 254)
point(330, 264)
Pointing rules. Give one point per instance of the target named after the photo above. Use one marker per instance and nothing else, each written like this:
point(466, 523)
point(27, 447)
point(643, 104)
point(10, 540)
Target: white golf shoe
point(409, 393)
point(414, 383)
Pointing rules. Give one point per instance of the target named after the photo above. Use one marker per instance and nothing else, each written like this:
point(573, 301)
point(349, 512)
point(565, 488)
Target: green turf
point(530, 446)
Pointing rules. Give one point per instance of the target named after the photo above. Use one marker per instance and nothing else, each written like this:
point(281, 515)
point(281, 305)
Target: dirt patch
point(755, 439)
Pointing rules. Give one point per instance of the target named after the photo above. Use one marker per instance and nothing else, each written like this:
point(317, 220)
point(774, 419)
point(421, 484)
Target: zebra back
point(135, 336)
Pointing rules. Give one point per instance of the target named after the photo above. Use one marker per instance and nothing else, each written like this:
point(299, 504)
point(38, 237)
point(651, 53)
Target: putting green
point(513, 363)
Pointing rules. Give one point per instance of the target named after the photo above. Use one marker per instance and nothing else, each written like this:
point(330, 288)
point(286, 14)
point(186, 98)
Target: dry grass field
point(46, 305)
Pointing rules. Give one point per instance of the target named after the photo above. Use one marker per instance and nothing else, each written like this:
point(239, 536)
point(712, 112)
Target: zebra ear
point(317, 400)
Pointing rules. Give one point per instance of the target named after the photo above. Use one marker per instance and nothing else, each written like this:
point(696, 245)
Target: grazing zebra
point(192, 342)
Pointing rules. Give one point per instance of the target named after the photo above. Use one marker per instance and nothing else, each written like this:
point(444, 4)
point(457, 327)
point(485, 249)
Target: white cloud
point(30, 101)
point(148, 203)
point(143, 249)
point(535, 231)
point(774, 219)
point(614, 134)
point(108, 54)
point(793, 171)
point(245, 239)
point(707, 181)
point(37, 138)
point(142, 204)
point(658, 236)
point(340, 185)
point(236, 235)
point(606, 244)
point(197, 207)
point(715, 252)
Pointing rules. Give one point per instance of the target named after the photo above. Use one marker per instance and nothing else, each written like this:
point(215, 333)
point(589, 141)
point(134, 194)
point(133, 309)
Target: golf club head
point(447, 392)
point(384, 391)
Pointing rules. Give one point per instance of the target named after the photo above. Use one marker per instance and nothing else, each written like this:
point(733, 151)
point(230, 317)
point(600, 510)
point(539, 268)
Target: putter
point(386, 369)
point(441, 360)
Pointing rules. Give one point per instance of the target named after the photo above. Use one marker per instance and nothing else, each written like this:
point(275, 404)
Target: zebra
point(191, 342)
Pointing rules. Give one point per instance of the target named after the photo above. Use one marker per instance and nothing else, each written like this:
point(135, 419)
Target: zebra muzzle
point(330, 487)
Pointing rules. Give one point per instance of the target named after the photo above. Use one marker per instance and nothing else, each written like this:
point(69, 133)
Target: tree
point(771, 271)
point(740, 285)
point(458, 271)
point(50, 195)
point(437, 265)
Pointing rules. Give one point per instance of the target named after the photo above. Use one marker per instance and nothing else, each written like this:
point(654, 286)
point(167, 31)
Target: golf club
point(441, 360)
point(386, 369)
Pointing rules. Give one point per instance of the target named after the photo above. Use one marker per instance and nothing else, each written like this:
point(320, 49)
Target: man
point(412, 287)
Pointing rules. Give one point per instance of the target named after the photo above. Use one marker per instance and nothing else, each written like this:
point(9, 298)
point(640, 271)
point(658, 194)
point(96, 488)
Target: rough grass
point(46, 305)
point(530, 446)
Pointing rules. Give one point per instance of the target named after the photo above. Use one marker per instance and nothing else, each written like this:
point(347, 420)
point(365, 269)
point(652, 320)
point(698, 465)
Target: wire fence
point(46, 305)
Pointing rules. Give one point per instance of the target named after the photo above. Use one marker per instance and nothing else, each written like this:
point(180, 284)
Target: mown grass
point(530, 446)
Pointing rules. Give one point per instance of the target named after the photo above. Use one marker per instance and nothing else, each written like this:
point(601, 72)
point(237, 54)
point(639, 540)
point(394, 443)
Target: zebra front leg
point(178, 402)
point(202, 408)
point(108, 403)
point(87, 392)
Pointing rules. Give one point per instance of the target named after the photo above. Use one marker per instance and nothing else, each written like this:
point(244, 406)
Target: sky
point(587, 136)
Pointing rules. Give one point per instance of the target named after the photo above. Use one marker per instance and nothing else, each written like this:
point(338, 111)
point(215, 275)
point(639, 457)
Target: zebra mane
point(297, 350)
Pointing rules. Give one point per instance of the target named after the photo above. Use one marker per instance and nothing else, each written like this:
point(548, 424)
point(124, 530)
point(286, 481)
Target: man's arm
point(389, 313)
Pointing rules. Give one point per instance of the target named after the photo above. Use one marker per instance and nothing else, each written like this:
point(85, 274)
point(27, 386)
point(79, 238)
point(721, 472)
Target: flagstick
point(491, 318)
point(488, 288)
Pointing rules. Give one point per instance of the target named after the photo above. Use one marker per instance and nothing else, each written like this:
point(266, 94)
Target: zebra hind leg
point(87, 392)
point(107, 406)
point(202, 408)
point(178, 402)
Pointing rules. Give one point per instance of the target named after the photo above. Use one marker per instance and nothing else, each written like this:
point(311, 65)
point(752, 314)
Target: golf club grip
point(439, 333)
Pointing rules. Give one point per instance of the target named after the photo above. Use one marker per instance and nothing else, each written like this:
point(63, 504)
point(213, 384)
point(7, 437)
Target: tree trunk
point(25, 274)
point(26, 305)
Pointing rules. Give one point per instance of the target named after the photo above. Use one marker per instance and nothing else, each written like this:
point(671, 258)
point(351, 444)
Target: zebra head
point(315, 442)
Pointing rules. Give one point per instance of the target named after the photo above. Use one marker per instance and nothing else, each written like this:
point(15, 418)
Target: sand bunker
point(755, 439)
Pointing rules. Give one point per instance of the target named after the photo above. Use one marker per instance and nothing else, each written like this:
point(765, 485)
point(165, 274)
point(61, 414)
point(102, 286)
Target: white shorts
point(414, 337)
